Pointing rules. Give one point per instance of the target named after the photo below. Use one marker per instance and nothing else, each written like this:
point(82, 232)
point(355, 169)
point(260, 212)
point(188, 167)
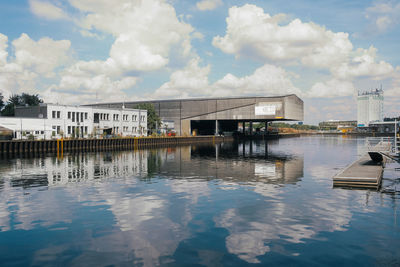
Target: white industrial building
point(369, 107)
point(55, 121)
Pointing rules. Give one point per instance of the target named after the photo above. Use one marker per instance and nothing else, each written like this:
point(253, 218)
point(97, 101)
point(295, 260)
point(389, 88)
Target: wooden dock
point(363, 173)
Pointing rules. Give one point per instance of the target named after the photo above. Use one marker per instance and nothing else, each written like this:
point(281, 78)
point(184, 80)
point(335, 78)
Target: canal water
point(213, 205)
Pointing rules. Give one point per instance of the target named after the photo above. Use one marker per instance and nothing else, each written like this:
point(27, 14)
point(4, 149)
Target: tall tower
point(369, 107)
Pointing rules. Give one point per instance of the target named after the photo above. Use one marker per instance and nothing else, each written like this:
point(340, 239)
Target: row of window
point(125, 117)
point(36, 132)
point(77, 130)
point(80, 116)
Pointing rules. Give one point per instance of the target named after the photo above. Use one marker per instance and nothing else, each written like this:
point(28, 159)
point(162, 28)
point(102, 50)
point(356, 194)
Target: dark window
point(58, 114)
point(73, 116)
point(53, 114)
point(96, 117)
point(86, 115)
point(69, 114)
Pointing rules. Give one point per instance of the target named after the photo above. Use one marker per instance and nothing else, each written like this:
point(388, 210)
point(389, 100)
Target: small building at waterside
point(337, 125)
point(55, 121)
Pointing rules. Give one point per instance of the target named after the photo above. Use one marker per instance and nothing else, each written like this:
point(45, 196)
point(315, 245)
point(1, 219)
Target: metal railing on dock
point(86, 145)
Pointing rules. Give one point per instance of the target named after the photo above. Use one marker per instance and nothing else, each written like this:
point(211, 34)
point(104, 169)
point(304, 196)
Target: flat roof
point(191, 99)
point(77, 106)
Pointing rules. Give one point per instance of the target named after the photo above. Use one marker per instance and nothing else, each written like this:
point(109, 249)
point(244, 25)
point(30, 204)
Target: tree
point(153, 120)
point(1, 101)
point(30, 100)
point(20, 100)
point(8, 110)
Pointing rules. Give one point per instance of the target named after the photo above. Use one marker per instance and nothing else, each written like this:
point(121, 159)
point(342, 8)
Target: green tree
point(8, 110)
point(30, 100)
point(153, 120)
point(1, 101)
point(20, 100)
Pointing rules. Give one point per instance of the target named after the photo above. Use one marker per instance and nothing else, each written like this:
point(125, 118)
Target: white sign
point(265, 110)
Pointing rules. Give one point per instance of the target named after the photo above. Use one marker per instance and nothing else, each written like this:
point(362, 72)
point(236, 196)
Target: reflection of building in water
point(84, 167)
point(77, 168)
point(225, 161)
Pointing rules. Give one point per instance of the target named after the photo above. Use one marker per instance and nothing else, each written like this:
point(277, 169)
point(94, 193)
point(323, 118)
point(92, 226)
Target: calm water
point(229, 204)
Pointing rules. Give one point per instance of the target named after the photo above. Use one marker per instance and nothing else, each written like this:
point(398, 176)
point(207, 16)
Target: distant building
point(337, 125)
point(369, 107)
point(54, 121)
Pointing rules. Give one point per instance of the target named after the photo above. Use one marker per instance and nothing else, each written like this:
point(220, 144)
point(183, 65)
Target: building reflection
point(229, 161)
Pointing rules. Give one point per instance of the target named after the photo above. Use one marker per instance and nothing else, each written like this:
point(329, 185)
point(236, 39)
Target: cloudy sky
point(85, 51)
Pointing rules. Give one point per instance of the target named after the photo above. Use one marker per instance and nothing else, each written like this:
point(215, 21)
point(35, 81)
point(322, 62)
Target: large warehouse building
point(217, 115)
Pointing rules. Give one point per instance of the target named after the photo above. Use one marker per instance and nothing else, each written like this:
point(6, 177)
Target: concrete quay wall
point(84, 145)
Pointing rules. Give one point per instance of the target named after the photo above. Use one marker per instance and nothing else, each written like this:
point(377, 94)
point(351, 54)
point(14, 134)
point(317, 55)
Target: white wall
point(62, 121)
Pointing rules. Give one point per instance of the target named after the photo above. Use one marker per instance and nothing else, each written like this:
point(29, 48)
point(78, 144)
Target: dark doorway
point(205, 127)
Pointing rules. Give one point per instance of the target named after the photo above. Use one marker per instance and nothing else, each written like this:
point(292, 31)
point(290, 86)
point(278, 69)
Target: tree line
point(8, 107)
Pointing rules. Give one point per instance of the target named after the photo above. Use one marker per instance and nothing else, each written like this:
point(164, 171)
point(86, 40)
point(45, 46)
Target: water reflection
point(231, 203)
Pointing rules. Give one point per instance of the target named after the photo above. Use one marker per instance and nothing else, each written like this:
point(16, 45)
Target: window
point(54, 127)
point(36, 132)
point(69, 129)
point(41, 132)
point(86, 115)
point(53, 114)
point(69, 114)
point(82, 116)
point(77, 116)
point(86, 132)
point(73, 116)
point(58, 129)
point(58, 114)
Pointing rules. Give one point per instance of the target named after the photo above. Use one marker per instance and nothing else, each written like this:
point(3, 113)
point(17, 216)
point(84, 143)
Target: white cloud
point(332, 88)
point(188, 82)
point(192, 81)
point(208, 4)
point(266, 80)
point(42, 56)
point(46, 10)
point(147, 34)
point(363, 63)
point(255, 34)
point(384, 15)
point(144, 31)
point(31, 61)
point(3, 49)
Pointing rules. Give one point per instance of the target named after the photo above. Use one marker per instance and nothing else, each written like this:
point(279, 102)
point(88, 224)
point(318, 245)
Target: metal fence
point(382, 144)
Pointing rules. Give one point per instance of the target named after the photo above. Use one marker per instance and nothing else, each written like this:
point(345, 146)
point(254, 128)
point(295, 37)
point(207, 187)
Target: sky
point(90, 51)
